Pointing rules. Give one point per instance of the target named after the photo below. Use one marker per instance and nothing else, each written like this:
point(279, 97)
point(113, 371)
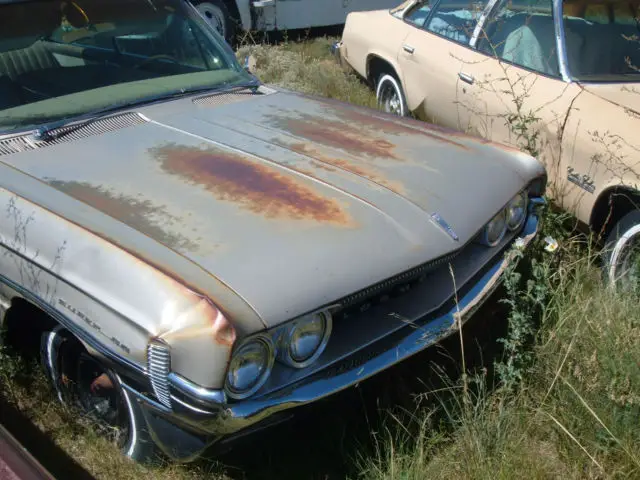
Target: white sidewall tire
point(627, 228)
point(393, 81)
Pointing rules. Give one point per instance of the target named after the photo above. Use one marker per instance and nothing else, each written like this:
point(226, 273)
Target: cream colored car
point(557, 79)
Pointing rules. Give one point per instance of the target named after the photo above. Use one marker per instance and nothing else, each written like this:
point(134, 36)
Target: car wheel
point(622, 253)
point(81, 382)
point(390, 95)
point(217, 14)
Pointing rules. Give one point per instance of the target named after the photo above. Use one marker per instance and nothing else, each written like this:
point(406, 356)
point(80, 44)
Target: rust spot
point(364, 120)
point(131, 211)
point(401, 126)
point(358, 169)
point(201, 320)
point(347, 137)
point(299, 169)
point(175, 282)
point(223, 331)
point(322, 166)
point(255, 187)
point(382, 121)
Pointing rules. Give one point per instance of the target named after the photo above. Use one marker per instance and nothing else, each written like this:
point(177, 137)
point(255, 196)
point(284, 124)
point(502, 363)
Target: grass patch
point(308, 67)
point(26, 390)
point(575, 414)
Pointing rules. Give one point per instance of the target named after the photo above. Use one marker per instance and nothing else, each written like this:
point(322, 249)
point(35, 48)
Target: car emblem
point(444, 225)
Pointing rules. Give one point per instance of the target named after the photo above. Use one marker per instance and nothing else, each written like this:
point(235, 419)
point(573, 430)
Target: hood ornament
point(444, 225)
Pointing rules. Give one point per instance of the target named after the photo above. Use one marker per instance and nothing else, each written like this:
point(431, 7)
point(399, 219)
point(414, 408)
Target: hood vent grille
point(220, 99)
point(26, 142)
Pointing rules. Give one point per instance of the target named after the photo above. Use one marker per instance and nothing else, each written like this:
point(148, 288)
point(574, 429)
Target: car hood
point(625, 95)
point(293, 202)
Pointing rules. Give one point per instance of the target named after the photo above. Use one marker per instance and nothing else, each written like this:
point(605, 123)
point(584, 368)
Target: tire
point(217, 14)
point(390, 95)
point(622, 253)
point(66, 363)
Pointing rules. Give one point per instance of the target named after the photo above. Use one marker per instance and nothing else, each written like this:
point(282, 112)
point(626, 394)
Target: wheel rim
point(105, 405)
point(625, 262)
point(389, 99)
point(214, 16)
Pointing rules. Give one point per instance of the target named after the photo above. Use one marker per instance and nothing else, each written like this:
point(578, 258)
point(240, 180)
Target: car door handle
point(466, 78)
point(408, 48)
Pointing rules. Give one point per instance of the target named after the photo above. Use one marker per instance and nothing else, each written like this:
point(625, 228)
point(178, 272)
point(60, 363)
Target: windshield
point(603, 39)
point(62, 59)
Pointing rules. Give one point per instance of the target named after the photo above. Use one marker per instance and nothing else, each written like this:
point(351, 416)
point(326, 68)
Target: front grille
point(390, 288)
point(159, 366)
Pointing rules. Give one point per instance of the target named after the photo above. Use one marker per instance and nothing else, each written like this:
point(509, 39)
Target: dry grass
point(575, 416)
point(26, 389)
point(308, 67)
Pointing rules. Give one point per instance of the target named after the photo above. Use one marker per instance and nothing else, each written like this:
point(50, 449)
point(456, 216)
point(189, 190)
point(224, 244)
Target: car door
point(429, 58)
point(510, 88)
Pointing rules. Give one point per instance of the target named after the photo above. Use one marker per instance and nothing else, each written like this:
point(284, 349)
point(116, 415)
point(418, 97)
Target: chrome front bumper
point(206, 414)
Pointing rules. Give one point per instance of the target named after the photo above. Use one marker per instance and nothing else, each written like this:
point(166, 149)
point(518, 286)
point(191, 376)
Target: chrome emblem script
point(444, 225)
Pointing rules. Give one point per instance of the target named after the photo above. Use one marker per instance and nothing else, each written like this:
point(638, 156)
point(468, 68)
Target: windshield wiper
point(46, 133)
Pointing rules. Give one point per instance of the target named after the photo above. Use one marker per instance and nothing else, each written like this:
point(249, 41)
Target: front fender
point(114, 302)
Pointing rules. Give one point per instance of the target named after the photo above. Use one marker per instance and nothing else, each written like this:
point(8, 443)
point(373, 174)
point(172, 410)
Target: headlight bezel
point(278, 340)
point(266, 340)
point(482, 236)
point(525, 199)
point(284, 350)
point(485, 230)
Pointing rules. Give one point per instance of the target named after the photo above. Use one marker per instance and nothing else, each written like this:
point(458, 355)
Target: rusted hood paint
point(292, 202)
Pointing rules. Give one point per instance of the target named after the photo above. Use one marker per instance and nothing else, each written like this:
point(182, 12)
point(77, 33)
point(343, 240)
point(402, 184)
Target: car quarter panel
point(599, 151)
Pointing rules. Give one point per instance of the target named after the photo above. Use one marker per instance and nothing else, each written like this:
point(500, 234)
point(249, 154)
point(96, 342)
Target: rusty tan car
point(194, 254)
point(556, 78)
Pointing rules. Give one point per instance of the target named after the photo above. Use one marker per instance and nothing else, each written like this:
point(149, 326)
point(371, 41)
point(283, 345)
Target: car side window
point(522, 32)
point(419, 13)
point(456, 19)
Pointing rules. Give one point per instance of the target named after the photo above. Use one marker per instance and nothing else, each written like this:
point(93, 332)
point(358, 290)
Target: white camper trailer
point(229, 16)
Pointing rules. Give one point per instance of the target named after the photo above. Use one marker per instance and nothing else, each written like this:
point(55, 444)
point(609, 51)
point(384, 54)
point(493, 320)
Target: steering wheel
point(153, 58)
point(75, 16)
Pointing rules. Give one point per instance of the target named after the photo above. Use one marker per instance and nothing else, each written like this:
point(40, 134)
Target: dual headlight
point(298, 344)
point(509, 219)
